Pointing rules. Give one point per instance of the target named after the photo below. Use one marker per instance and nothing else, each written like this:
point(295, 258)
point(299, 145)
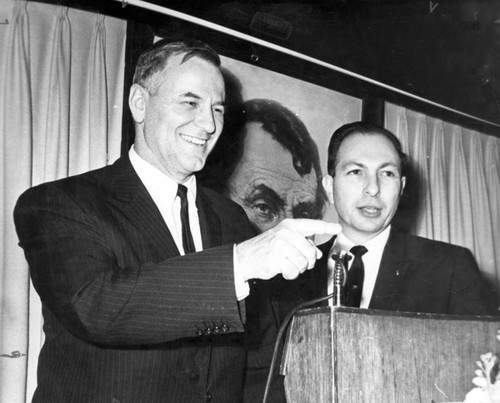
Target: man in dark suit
point(399, 272)
point(143, 273)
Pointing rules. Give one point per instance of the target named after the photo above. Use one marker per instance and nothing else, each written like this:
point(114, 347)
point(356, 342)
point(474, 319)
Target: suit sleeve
point(101, 292)
point(469, 294)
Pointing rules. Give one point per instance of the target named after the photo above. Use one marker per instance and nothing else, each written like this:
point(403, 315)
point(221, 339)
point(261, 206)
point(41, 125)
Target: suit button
point(192, 374)
point(208, 397)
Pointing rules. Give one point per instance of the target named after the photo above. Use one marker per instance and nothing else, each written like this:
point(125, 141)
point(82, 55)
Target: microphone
point(336, 266)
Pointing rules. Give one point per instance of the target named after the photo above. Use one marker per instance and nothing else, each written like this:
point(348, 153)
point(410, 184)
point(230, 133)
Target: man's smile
point(194, 140)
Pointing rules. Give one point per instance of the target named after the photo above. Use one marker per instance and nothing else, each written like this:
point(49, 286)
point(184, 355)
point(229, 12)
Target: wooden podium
point(348, 355)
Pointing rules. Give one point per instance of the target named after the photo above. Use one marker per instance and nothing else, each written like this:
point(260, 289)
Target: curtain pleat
point(459, 197)
point(402, 130)
point(423, 225)
point(92, 151)
point(55, 163)
point(492, 174)
point(482, 221)
point(438, 186)
point(16, 131)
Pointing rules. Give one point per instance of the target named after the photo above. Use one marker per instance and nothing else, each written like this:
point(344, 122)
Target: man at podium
point(387, 270)
point(392, 270)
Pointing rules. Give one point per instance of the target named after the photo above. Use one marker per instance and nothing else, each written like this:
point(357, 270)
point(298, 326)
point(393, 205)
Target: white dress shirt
point(371, 261)
point(163, 191)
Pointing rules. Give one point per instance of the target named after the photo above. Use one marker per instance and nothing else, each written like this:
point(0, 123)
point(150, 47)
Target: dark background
point(446, 51)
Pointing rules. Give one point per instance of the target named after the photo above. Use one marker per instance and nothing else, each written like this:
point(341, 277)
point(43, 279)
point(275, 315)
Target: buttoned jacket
point(126, 317)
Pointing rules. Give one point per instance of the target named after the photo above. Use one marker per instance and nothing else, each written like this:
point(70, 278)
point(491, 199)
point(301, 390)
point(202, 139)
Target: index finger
point(307, 227)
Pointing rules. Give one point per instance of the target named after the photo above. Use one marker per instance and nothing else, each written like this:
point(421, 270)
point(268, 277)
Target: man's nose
point(205, 120)
point(372, 187)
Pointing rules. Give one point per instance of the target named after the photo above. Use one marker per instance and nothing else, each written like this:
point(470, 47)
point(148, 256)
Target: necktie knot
point(182, 192)
point(358, 250)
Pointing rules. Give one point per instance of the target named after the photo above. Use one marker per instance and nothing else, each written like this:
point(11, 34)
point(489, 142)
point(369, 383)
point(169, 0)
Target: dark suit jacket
point(415, 275)
point(126, 318)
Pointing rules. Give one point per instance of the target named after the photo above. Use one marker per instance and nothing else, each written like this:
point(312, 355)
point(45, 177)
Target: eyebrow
point(190, 94)
point(359, 164)
point(263, 190)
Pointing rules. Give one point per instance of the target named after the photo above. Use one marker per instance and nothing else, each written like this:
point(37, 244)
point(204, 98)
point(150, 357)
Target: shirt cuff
point(240, 285)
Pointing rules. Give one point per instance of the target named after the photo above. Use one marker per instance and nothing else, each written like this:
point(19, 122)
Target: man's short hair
point(154, 60)
point(349, 129)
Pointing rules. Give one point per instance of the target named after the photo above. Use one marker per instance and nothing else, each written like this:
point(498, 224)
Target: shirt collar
point(343, 244)
point(156, 181)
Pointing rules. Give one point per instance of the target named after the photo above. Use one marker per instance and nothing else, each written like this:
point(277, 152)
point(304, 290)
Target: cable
point(281, 331)
point(339, 281)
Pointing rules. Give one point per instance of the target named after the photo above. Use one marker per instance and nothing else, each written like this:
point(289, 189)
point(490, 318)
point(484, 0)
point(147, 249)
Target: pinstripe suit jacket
point(126, 318)
point(415, 275)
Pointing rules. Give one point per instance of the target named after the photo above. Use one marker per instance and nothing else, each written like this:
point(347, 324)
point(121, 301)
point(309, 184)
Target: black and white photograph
point(250, 201)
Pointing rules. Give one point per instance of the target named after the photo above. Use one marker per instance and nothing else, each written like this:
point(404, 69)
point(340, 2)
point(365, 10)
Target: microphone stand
point(339, 276)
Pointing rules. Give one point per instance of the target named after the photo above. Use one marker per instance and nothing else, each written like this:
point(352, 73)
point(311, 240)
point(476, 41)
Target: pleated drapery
point(94, 118)
point(424, 224)
point(61, 73)
point(459, 184)
point(438, 186)
point(16, 129)
point(492, 170)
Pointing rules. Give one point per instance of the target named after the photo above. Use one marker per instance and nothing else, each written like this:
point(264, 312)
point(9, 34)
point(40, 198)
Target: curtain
point(438, 186)
point(459, 185)
point(16, 128)
point(492, 170)
point(61, 76)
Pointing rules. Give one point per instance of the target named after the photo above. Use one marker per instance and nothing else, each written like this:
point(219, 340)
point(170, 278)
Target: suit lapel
point(392, 271)
point(131, 196)
point(210, 225)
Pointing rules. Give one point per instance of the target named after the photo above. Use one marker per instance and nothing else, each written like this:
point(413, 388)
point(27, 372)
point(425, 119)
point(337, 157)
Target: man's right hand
point(284, 249)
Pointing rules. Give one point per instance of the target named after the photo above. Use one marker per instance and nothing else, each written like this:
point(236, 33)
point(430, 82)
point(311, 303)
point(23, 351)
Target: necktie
point(187, 238)
point(355, 277)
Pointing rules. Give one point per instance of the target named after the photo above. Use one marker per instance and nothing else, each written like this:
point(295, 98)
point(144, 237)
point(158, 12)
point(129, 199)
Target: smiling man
point(142, 272)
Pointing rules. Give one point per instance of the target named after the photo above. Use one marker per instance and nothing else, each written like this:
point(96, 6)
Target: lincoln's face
point(266, 184)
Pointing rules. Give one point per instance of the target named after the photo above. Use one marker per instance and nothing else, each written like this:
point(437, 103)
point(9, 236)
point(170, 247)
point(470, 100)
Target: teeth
point(194, 140)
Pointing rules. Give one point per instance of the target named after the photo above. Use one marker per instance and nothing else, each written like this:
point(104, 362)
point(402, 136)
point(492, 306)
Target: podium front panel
point(349, 355)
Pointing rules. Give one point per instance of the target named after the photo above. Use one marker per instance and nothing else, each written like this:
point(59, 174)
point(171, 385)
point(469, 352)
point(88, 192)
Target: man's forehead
point(368, 148)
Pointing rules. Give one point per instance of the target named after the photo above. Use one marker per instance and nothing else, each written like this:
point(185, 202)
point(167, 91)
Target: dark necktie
point(355, 277)
point(187, 238)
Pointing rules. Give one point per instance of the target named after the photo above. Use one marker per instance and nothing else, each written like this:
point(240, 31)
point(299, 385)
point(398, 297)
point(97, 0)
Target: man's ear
point(327, 183)
point(403, 183)
point(137, 101)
